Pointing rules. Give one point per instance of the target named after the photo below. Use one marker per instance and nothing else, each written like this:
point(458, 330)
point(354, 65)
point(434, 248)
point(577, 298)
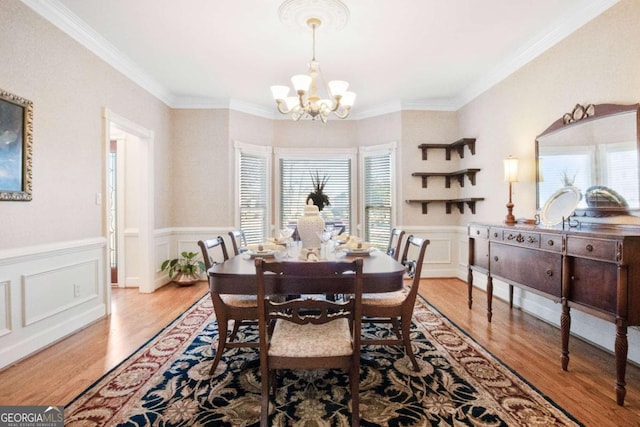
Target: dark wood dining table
point(381, 273)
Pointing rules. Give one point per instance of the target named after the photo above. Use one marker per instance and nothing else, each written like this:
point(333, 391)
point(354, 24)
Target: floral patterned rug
point(166, 383)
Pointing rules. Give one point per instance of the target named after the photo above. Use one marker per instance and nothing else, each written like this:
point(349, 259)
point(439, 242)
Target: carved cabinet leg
point(621, 347)
point(469, 287)
point(565, 328)
point(489, 297)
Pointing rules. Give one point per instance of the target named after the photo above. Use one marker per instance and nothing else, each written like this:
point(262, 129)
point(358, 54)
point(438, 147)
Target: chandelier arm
point(344, 114)
point(280, 104)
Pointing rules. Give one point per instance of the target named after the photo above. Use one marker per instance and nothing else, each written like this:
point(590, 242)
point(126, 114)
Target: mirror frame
point(579, 115)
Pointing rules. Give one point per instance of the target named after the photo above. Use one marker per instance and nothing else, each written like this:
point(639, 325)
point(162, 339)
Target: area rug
point(166, 383)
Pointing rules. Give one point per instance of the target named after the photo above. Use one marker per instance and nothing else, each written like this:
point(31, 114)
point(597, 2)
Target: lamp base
point(510, 219)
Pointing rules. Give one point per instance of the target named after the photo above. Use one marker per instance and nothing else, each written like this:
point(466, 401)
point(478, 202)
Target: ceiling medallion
point(295, 14)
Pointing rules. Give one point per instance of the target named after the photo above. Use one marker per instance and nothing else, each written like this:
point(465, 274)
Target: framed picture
point(16, 140)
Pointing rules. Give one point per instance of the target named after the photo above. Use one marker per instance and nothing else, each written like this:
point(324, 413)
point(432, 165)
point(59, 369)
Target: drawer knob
point(478, 232)
point(495, 258)
point(495, 234)
point(589, 248)
point(550, 273)
point(550, 242)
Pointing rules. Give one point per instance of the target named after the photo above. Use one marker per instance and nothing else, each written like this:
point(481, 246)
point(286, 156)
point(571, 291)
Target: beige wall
point(599, 63)
point(69, 87)
point(201, 168)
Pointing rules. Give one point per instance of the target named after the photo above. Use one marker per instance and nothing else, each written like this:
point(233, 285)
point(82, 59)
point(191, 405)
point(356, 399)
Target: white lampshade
point(279, 92)
point(348, 99)
point(301, 82)
point(511, 169)
point(338, 87)
point(291, 102)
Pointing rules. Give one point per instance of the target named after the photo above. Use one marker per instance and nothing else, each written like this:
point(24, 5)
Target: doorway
point(129, 219)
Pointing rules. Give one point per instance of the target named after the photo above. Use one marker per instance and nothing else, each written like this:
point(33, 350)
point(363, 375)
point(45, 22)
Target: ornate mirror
point(593, 151)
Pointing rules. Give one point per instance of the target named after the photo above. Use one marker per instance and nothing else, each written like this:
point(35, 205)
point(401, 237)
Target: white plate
point(261, 254)
point(560, 205)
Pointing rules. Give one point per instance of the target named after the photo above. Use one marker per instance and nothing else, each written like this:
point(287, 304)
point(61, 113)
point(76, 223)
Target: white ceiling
point(401, 54)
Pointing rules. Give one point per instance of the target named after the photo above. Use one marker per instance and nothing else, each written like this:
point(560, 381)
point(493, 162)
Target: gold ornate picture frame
point(16, 147)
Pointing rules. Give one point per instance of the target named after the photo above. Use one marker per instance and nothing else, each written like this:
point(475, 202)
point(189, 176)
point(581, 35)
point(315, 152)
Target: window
point(253, 191)
point(620, 167)
point(377, 190)
point(295, 184)
point(561, 166)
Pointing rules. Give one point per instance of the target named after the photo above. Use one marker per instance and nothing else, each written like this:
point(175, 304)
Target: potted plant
point(319, 198)
point(185, 269)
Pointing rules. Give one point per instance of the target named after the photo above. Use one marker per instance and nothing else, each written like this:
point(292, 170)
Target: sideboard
point(592, 269)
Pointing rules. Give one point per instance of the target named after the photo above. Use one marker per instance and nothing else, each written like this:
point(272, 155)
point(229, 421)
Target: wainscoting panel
point(48, 292)
point(441, 258)
point(5, 308)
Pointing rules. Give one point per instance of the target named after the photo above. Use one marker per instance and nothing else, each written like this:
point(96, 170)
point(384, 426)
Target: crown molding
point(60, 16)
point(539, 44)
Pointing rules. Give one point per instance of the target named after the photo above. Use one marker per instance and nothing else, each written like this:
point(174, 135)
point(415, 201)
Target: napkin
point(354, 243)
point(265, 247)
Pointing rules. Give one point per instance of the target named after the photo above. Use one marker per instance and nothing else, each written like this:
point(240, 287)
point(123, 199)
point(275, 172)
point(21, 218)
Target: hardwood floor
point(532, 348)
point(59, 373)
point(529, 346)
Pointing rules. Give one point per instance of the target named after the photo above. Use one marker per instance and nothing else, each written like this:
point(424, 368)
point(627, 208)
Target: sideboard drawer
point(478, 232)
point(551, 242)
point(537, 269)
point(592, 248)
point(515, 237)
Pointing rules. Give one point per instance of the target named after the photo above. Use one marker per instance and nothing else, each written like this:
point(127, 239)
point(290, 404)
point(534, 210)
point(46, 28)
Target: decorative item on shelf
point(510, 176)
point(310, 225)
point(317, 196)
point(184, 270)
point(307, 101)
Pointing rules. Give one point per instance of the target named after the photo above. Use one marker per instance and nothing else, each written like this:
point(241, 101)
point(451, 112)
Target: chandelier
point(307, 102)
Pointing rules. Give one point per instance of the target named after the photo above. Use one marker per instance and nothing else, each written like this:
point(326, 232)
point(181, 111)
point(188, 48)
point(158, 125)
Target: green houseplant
point(185, 269)
point(319, 198)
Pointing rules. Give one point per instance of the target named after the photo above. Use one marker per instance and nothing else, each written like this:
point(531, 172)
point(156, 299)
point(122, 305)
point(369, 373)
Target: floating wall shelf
point(459, 203)
point(457, 145)
point(458, 175)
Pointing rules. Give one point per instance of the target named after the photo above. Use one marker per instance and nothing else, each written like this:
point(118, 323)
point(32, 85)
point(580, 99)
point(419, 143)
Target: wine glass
point(285, 234)
point(325, 237)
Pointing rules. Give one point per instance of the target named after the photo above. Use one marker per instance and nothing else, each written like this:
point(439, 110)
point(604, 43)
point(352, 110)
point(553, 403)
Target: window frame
point(316, 154)
point(370, 151)
point(265, 151)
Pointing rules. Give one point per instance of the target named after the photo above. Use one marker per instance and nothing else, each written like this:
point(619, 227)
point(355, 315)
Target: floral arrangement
point(317, 195)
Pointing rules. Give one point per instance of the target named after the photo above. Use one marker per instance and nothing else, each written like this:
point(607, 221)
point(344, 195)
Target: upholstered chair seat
point(292, 340)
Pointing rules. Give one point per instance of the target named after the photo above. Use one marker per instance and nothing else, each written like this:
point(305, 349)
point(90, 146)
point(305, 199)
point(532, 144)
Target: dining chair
point(242, 309)
point(309, 333)
point(238, 240)
point(397, 307)
point(395, 243)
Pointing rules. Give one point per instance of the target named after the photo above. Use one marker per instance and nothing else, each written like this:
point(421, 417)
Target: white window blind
point(254, 196)
point(377, 199)
point(621, 165)
point(296, 184)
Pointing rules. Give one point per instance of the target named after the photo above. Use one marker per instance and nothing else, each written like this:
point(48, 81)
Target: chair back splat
point(311, 332)
point(395, 243)
point(396, 308)
point(242, 309)
point(238, 240)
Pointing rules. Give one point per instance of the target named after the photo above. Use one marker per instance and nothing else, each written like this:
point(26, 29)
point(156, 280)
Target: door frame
point(146, 218)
